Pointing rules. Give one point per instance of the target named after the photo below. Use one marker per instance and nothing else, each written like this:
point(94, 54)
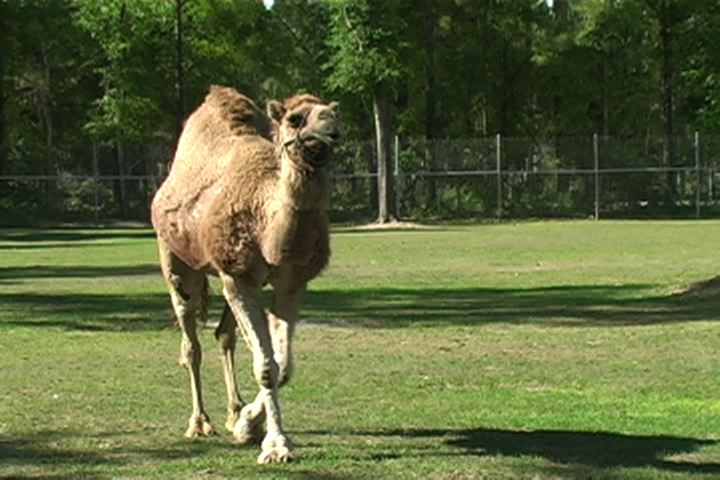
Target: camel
point(245, 200)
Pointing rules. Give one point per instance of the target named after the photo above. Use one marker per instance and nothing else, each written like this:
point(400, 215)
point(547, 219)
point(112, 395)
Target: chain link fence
point(492, 177)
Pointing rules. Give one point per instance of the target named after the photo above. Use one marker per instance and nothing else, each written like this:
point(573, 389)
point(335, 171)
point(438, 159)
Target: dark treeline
point(102, 86)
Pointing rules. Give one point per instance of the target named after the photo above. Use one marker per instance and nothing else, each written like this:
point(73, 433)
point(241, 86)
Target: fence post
point(711, 184)
point(96, 174)
point(596, 155)
point(498, 172)
point(697, 174)
point(396, 182)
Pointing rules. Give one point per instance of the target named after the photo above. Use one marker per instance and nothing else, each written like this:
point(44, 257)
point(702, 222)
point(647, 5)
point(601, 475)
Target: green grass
point(532, 350)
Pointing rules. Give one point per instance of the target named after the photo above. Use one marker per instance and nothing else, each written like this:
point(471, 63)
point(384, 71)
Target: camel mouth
point(316, 145)
point(316, 150)
point(314, 136)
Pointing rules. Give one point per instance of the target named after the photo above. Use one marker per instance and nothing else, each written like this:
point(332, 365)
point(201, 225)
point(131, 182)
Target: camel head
point(306, 129)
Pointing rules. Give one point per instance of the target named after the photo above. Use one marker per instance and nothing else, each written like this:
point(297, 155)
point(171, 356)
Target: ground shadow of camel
point(583, 449)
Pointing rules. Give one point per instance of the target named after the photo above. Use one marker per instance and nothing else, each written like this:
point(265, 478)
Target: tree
point(3, 49)
point(429, 30)
point(699, 45)
point(135, 62)
point(179, 67)
point(123, 74)
point(366, 42)
point(236, 44)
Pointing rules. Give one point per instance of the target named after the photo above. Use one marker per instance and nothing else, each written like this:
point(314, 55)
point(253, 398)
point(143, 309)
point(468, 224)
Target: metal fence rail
point(480, 177)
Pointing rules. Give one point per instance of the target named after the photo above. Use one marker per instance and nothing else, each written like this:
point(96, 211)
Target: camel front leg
point(243, 300)
point(282, 319)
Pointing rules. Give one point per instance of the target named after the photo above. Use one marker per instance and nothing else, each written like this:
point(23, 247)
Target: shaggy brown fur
point(214, 208)
point(278, 109)
point(245, 199)
point(207, 147)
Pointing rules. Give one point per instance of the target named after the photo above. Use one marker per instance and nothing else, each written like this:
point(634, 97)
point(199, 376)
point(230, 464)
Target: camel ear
point(335, 107)
point(275, 110)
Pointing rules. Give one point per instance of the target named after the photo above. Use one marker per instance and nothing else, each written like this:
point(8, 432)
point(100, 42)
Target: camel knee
point(284, 377)
point(281, 335)
point(190, 353)
point(285, 368)
point(225, 333)
point(266, 373)
point(227, 340)
point(175, 282)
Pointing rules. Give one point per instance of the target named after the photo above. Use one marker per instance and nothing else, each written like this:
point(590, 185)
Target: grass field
point(532, 350)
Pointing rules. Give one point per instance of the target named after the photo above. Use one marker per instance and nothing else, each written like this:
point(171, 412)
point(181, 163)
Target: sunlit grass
point(548, 349)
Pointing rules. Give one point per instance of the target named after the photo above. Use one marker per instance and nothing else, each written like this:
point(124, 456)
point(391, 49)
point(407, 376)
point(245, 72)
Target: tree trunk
point(605, 97)
point(3, 150)
point(179, 71)
point(381, 113)
point(367, 152)
point(666, 40)
point(430, 104)
point(45, 107)
point(121, 187)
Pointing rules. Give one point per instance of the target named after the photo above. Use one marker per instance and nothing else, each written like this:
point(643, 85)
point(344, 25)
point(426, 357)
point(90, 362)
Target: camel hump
point(239, 114)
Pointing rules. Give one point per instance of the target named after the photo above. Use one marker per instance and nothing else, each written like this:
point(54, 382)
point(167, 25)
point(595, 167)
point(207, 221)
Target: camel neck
point(299, 188)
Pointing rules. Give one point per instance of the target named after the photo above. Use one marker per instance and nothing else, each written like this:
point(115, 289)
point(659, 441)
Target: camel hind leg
point(226, 334)
point(187, 291)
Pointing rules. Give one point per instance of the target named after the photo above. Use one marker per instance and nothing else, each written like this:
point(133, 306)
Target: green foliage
point(83, 199)
point(134, 64)
point(104, 75)
point(225, 45)
point(366, 44)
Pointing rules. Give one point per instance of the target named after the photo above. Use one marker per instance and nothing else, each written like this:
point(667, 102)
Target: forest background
point(93, 94)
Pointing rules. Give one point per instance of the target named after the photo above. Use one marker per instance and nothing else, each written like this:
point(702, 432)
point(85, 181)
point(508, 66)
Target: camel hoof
point(199, 427)
point(232, 418)
point(275, 455)
point(249, 429)
point(276, 448)
point(247, 433)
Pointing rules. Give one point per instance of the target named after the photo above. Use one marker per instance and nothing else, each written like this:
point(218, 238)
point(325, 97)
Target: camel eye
point(295, 119)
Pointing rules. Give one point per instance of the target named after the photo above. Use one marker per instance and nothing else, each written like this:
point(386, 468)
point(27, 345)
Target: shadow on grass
point(20, 239)
point(13, 274)
point(94, 312)
point(572, 449)
point(66, 454)
point(575, 306)
point(41, 455)
point(71, 235)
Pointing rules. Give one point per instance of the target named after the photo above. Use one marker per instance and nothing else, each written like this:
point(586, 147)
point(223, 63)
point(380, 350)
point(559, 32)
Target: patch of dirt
point(702, 288)
point(340, 323)
point(393, 225)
